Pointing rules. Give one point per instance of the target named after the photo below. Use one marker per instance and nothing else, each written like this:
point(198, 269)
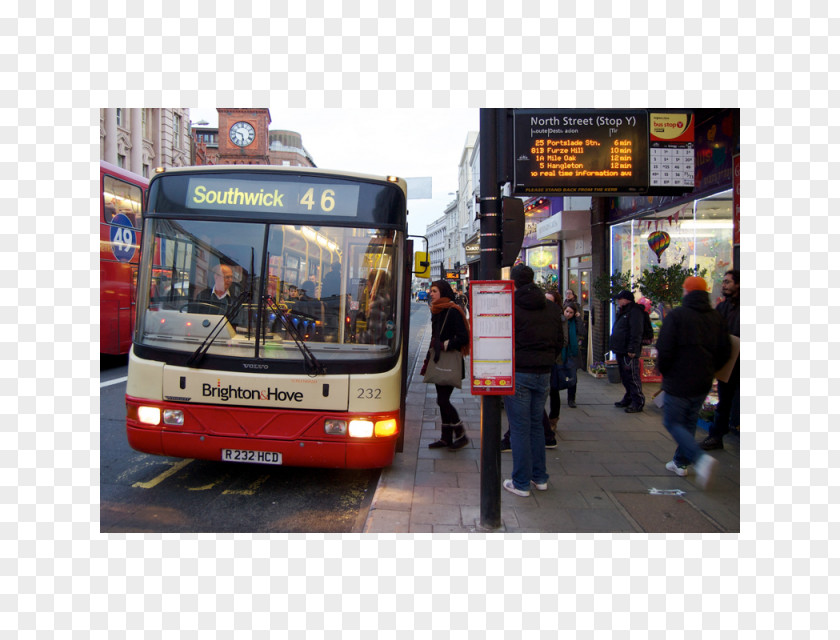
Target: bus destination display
point(273, 196)
point(580, 151)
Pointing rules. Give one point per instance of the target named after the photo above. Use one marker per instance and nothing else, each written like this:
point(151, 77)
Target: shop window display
point(543, 260)
point(700, 232)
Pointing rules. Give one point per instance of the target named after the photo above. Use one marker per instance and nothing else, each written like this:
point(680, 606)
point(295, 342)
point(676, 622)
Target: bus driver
point(219, 296)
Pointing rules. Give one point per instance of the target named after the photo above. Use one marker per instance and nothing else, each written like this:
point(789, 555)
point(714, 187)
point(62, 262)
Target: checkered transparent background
point(65, 579)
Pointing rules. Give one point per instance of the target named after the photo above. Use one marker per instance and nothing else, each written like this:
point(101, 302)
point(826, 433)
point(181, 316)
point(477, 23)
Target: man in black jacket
point(626, 343)
point(538, 341)
point(693, 344)
point(728, 392)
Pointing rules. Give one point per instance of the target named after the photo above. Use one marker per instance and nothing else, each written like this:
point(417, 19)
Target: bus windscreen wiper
point(233, 309)
point(313, 366)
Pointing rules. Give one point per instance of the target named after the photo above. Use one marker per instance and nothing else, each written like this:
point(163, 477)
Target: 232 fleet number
point(369, 394)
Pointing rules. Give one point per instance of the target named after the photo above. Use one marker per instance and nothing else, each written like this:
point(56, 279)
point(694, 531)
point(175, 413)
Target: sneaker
point(705, 467)
point(505, 445)
point(540, 486)
point(622, 404)
point(680, 471)
point(711, 443)
point(632, 409)
point(551, 444)
point(508, 485)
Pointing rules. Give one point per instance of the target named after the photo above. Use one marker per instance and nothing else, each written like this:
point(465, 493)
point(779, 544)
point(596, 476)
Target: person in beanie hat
point(626, 343)
point(693, 344)
point(538, 339)
point(694, 283)
point(450, 332)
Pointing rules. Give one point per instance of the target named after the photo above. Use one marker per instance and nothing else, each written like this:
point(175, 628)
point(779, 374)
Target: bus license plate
point(245, 455)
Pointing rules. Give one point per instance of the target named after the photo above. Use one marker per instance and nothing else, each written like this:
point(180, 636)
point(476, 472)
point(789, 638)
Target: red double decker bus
point(121, 197)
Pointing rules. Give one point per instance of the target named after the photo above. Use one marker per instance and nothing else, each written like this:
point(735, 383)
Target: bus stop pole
point(490, 244)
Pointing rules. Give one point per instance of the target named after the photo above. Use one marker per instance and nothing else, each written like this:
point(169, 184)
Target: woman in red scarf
point(450, 332)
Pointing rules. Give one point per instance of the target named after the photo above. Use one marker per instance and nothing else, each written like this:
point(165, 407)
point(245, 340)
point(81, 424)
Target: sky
point(409, 143)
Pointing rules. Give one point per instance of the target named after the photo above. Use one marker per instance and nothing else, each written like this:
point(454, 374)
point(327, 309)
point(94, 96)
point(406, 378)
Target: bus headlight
point(149, 415)
point(173, 417)
point(367, 428)
point(385, 428)
point(361, 428)
point(335, 427)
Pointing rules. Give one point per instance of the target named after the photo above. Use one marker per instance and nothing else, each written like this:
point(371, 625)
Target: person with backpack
point(626, 343)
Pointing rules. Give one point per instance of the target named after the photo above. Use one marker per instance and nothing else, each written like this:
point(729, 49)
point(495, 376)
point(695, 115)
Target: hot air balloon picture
point(658, 241)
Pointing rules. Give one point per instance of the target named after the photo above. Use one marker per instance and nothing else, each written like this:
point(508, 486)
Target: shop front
point(570, 232)
point(472, 256)
point(697, 234)
point(694, 231)
point(541, 254)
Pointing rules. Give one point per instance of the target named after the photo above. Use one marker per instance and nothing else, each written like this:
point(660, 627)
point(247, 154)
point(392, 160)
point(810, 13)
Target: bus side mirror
point(422, 266)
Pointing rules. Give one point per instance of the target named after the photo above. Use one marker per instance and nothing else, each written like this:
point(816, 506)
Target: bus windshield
point(259, 289)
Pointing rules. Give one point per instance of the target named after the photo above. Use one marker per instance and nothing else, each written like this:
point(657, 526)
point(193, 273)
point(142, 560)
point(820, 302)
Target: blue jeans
point(527, 439)
point(680, 418)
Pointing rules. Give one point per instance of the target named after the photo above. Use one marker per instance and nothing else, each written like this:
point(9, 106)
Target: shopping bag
point(726, 370)
point(446, 371)
point(659, 399)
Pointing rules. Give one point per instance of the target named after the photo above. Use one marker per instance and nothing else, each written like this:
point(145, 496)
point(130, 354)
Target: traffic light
point(513, 229)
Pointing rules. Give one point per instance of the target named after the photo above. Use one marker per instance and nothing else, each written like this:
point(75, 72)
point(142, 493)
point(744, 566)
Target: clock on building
point(242, 134)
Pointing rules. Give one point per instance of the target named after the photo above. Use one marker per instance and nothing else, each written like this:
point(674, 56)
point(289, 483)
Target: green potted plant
point(663, 285)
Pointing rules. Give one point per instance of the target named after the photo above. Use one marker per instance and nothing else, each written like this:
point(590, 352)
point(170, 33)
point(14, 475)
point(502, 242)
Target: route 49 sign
point(123, 238)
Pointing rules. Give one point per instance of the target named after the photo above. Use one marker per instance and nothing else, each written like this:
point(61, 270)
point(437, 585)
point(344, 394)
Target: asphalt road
point(146, 493)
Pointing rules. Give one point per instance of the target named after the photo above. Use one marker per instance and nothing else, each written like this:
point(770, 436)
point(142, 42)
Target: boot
point(571, 402)
point(460, 438)
point(445, 438)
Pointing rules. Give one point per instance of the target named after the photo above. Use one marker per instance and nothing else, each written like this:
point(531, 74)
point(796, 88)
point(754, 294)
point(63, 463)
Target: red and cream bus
point(272, 317)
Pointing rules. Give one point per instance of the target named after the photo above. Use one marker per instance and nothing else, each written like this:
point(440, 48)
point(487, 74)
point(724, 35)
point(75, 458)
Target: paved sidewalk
point(602, 473)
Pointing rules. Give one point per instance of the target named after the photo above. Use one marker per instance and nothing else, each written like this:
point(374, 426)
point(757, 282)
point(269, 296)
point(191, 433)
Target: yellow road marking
point(215, 483)
point(163, 476)
point(251, 490)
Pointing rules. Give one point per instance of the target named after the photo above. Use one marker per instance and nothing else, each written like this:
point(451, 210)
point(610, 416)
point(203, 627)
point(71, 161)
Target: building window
point(145, 171)
point(147, 123)
point(119, 117)
point(176, 132)
point(121, 161)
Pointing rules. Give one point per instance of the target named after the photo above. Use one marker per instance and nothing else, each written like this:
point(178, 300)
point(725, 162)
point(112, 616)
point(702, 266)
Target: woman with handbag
point(444, 364)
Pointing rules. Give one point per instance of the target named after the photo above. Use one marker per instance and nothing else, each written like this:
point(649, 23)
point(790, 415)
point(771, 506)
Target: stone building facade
point(140, 139)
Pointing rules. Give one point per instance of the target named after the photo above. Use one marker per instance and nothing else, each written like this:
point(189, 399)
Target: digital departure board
point(580, 151)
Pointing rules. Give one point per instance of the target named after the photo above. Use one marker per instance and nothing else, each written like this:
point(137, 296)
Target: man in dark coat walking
point(626, 343)
point(693, 344)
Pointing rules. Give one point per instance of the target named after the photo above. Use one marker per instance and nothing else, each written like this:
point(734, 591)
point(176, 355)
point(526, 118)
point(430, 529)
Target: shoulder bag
point(447, 370)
